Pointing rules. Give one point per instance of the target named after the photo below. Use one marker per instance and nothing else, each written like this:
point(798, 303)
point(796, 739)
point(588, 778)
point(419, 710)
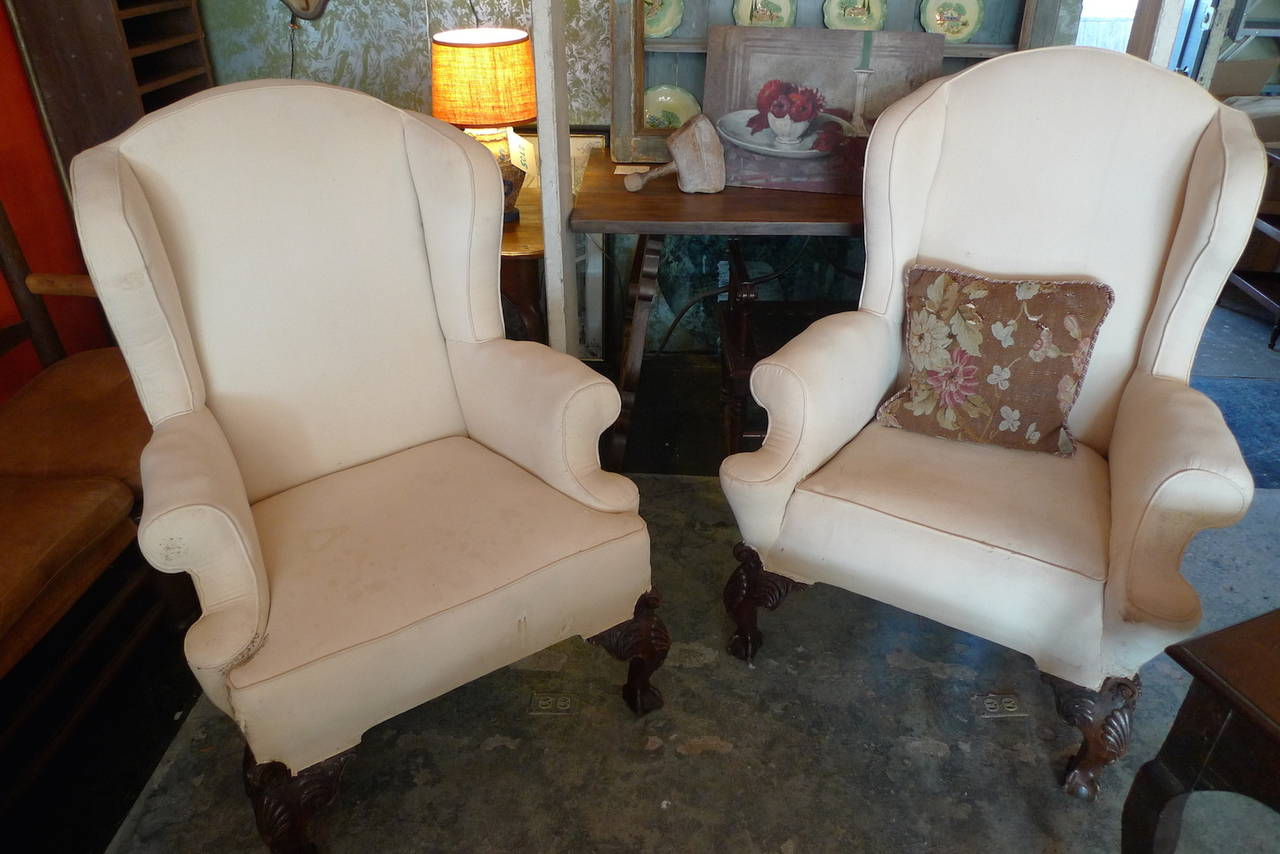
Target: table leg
point(520, 280)
point(593, 295)
point(641, 291)
point(735, 348)
point(1152, 818)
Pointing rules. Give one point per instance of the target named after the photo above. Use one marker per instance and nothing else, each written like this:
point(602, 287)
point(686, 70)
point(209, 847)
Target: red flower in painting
point(803, 105)
point(785, 99)
point(772, 91)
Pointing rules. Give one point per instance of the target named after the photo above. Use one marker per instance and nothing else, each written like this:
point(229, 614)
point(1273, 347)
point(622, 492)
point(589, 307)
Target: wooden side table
point(604, 206)
point(1226, 737)
point(521, 271)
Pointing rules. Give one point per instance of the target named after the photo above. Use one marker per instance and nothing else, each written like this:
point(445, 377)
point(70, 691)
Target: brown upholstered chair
point(70, 441)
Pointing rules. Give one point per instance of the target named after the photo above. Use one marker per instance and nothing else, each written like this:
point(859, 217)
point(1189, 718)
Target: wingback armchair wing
point(1058, 162)
point(378, 497)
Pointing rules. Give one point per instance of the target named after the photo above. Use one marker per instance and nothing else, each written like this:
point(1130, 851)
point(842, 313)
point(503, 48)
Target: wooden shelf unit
point(97, 66)
point(165, 42)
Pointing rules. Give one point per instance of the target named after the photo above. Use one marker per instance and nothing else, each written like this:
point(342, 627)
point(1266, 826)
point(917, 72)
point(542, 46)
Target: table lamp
point(482, 81)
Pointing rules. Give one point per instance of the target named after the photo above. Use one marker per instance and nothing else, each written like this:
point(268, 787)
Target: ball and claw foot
point(1104, 718)
point(642, 642)
point(285, 804)
point(750, 587)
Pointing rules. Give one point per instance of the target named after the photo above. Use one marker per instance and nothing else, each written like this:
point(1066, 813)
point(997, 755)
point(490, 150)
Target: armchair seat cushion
point(405, 577)
point(1049, 509)
point(80, 417)
point(366, 551)
point(1009, 545)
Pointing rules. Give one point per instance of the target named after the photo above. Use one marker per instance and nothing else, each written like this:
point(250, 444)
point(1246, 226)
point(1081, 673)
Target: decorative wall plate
point(733, 128)
point(307, 10)
point(669, 106)
point(764, 13)
point(853, 14)
point(661, 17)
point(957, 20)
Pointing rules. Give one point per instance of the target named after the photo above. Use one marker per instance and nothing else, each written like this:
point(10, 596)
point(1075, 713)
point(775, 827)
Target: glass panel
point(1106, 23)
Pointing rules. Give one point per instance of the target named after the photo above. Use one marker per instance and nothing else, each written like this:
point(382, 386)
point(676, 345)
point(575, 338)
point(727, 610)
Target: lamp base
point(495, 139)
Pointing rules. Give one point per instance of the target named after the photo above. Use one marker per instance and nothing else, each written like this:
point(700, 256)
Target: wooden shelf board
point(977, 51)
point(152, 8)
point(967, 51)
point(675, 45)
point(170, 79)
point(162, 44)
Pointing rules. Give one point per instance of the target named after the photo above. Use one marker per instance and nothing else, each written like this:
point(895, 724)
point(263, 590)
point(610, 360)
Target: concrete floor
point(856, 730)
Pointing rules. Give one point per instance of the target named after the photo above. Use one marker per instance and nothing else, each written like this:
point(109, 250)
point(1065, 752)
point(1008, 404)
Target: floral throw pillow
point(996, 361)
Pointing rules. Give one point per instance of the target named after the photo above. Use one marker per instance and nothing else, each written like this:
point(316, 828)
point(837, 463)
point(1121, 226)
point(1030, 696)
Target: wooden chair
point(70, 441)
point(1263, 285)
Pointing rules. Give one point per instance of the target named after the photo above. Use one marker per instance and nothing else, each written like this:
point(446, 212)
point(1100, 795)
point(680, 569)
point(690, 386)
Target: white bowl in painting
point(733, 128)
point(669, 106)
point(786, 130)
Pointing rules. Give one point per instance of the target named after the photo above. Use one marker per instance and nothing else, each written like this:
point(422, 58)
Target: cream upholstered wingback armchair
point(1057, 161)
point(378, 497)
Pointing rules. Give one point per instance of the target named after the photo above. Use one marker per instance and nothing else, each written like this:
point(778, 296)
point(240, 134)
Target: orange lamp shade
point(483, 77)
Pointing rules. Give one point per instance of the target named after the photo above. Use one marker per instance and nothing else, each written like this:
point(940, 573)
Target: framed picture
point(660, 50)
point(793, 106)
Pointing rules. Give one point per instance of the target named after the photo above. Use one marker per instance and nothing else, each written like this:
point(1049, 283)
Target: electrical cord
point(683, 311)
point(293, 42)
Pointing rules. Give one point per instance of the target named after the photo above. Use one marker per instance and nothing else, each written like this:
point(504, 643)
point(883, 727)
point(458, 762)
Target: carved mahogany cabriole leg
point(284, 804)
point(750, 587)
point(642, 642)
point(1105, 718)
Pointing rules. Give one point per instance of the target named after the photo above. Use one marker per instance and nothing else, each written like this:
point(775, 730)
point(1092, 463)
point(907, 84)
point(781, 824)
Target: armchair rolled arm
point(819, 390)
point(544, 411)
point(1175, 470)
point(196, 519)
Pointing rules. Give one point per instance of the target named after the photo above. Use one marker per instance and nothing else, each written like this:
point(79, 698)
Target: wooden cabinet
point(96, 66)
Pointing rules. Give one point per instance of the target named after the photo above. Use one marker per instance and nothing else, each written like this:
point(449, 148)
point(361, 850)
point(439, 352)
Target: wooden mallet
point(697, 158)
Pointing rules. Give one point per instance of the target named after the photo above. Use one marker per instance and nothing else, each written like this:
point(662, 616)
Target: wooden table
point(521, 271)
point(603, 206)
point(1226, 737)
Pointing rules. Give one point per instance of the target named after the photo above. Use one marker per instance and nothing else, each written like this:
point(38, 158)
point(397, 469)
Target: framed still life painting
point(793, 107)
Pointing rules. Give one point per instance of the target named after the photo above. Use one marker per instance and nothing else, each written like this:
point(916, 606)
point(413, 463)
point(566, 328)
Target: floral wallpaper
point(383, 46)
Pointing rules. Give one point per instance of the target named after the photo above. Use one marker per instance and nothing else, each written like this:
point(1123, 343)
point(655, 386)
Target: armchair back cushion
point(318, 341)
point(993, 171)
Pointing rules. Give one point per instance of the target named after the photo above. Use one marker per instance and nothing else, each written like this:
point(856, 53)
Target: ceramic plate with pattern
point(853, 14)
point(661, 17)
point(957, 20)
point(669, 106)
point(764, 13)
